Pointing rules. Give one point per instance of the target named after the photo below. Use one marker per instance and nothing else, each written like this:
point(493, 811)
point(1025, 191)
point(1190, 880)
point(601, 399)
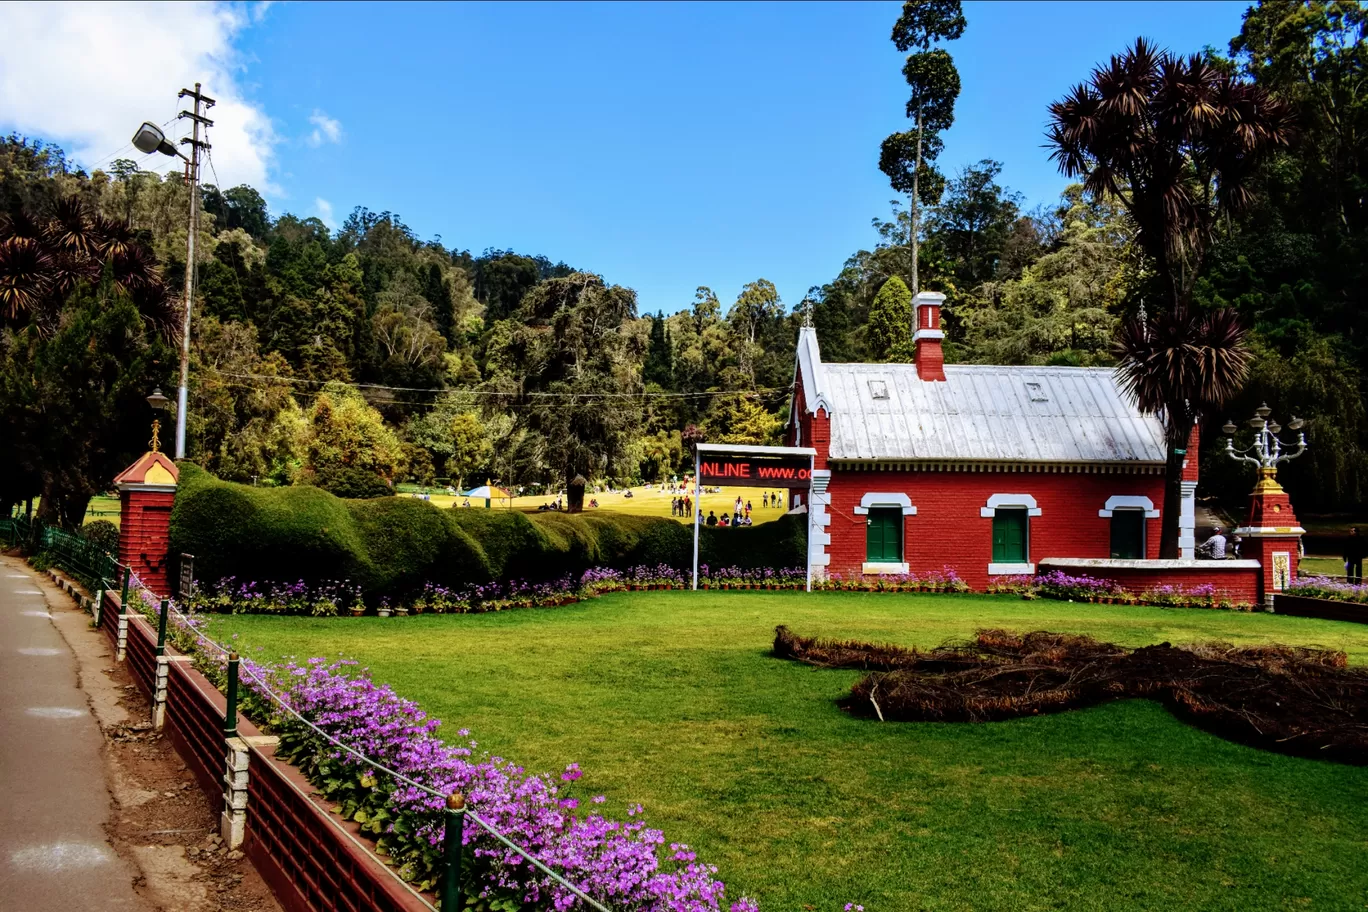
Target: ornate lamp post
point(1272, 531)
point(1267, 450)
point(158, 403)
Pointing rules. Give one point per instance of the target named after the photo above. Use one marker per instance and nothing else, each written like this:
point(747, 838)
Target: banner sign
point(754, 471)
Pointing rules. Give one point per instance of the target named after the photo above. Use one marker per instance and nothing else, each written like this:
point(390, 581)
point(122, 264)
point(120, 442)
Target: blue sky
point(664, 146)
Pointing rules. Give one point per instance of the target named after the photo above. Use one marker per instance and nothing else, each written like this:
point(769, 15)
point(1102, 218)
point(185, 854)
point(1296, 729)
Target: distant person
point(467, 503)
point(739, 504)
point(724, 522)
point(1354, 551)
point(764, 500)
point(748, 508)
point(712, 518)
point(1213, 548)
point(593, 503)
point(746, 521)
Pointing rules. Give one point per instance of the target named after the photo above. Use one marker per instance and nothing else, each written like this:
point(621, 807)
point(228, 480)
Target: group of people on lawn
point(741, 511)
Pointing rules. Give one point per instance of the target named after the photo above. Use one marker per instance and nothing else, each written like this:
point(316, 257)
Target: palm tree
point(1178, 141)
point(42, 262)
point(1181, 364)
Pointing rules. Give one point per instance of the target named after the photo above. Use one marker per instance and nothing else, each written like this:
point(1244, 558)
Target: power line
point(644, 394)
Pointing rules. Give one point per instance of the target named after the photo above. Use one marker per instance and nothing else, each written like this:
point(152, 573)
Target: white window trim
point(1128, 502)
point(1009, 500)
point(877, 567)
point(1010, 569)
point(880, 499)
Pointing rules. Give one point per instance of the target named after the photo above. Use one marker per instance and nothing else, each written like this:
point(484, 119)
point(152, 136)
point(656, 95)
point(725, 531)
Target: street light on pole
point(149, 139)
point(1267, 450)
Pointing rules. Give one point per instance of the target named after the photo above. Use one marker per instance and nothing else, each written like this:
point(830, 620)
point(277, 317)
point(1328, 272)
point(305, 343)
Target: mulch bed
point(1293, 700)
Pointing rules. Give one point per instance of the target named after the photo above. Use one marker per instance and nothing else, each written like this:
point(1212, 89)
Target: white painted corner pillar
point(819, 521)
point(233, 821)
point(1187, 521)
point(121, 643)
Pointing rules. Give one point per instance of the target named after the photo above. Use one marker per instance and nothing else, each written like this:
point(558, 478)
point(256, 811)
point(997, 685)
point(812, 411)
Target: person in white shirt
point(1213, 548)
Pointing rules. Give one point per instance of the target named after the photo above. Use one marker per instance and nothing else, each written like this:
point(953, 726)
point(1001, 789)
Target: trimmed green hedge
point(394, 544)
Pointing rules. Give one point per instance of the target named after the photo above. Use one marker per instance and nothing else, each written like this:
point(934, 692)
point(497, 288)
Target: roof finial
point(807, 313)
point(156, 438)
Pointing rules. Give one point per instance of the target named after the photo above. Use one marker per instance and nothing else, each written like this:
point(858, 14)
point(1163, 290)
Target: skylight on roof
point(878, 389)
point(1036, 392)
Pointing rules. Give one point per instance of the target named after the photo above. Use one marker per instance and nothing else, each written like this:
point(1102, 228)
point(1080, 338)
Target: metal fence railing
point(81, 557)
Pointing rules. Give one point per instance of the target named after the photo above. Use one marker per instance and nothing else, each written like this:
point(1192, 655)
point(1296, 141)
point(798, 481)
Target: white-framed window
point(1129, 535)
point(884, 530)
point(1011, 542)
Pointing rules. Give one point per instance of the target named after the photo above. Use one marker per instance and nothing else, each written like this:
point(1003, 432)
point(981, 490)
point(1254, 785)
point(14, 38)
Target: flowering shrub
point(943, 580)
point(229, 596)
point(1060, 585)
point(763, 578)
point(1024, 584)
point(1328, 588)
point(622, 863)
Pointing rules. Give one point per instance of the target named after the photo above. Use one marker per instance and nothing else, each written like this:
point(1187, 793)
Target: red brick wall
point(949, 530)
point(1240, 585)
point(306, 857)
point(1191, 463)
point(144, 536)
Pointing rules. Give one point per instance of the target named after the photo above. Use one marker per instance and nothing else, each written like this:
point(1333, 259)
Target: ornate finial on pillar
point(156, 435)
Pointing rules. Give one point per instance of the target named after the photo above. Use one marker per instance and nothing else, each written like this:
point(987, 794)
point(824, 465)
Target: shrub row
point(392, 546)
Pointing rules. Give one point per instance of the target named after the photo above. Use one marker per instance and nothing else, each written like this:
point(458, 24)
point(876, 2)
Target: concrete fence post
point(121, 644)
point(99, 602)
point(233, 822)
point(159, 692)
point(236, 783)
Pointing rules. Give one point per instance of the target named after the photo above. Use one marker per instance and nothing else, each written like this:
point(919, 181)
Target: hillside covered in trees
point(356, 358)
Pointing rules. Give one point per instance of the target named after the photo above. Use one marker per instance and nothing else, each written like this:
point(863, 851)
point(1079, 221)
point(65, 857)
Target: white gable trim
point(881, 499)
point(1009, 500)
point(810, 373)
point(1128, 502)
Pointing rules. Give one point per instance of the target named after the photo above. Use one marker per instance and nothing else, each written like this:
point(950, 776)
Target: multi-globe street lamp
point(1267, 450)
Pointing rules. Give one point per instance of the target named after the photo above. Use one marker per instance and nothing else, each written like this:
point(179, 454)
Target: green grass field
point(673, 700)
point(643, 502)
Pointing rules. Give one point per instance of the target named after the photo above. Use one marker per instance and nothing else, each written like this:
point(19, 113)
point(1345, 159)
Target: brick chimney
point(926, 340)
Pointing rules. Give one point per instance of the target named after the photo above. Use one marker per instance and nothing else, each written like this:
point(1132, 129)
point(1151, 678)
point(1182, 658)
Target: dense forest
point(356, 358)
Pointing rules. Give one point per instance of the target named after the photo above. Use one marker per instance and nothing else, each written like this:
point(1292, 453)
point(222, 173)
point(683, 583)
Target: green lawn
point(672, 699)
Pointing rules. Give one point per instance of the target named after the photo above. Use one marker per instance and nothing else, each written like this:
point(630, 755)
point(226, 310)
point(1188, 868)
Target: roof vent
point(1036, 392)
point(878, 389)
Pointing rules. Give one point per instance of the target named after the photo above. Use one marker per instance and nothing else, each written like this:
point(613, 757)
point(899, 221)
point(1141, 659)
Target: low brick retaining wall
point(1237, 580)
point(1327, 609)
point(312, 859)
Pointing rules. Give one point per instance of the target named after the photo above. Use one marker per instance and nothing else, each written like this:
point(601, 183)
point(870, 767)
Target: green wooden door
point(884, 541)
point(1009, 535)
point(1128, 534)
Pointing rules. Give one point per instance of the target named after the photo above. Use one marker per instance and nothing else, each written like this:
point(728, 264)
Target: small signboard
point(754, 471)
point(187, 577)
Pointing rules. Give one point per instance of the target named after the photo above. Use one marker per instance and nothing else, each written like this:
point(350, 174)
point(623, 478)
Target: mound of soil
point(1289, 699)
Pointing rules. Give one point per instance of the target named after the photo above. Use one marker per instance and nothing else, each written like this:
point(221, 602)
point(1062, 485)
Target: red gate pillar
point(1271, 535)
point(147, 491)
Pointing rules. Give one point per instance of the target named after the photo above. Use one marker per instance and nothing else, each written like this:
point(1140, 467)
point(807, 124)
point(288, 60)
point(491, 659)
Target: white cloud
point(84, 75)
point(324, 210)
point(325, 129)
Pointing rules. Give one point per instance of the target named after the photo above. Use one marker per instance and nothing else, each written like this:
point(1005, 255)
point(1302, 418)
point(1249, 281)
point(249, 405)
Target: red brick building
point(982, 468)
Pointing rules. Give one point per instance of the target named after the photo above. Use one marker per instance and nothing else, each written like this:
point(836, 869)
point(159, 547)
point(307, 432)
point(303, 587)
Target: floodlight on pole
point(150, 138)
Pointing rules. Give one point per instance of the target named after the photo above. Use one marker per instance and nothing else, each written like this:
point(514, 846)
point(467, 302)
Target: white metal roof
point(987, 413)
point(979, 413)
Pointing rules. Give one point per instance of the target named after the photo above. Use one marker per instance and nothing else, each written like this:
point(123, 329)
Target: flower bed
point(1057, 584)
point(1324, 587)
point(943, 580)
point(620, 862)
